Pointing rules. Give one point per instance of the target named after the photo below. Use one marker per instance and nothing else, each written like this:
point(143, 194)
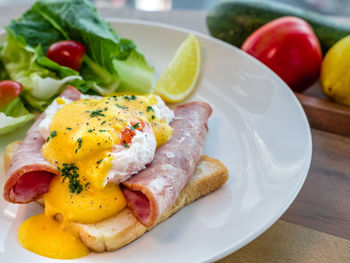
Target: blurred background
point(330, 7)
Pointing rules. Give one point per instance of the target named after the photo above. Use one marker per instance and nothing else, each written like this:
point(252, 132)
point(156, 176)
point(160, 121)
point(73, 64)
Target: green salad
point(109, 63)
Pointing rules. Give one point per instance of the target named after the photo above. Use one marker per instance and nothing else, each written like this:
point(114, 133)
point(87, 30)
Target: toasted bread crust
point(9, 152)
point(123, 228)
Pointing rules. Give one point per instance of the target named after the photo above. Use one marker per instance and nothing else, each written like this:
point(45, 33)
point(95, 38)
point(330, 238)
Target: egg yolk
point(82, 136)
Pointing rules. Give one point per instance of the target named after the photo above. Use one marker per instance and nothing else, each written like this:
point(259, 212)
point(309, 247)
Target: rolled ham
point(29, 174)
point(156, 188)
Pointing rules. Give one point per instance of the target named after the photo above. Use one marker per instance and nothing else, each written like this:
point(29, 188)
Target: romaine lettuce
point(40, 84)
point(13, 115)
point(135, 74)
point(3, 73)
point(111, 62)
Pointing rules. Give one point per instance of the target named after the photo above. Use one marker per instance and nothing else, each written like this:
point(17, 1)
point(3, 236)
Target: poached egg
point(96, 143)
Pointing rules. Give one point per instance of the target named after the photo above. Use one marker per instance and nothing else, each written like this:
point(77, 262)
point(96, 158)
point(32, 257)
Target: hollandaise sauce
point(44, 236)
point(84, 133)
point(83, 136)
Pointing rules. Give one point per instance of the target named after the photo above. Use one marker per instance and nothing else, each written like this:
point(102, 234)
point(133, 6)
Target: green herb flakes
point(79, 140)
point(95, 113)
point(135, 126)
point(121, 107)
point(149, 108)
point(70, 172)
point(132, 97)
point(53, 134)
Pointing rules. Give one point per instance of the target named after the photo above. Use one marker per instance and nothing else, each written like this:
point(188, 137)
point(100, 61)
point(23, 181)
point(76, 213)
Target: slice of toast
point(123, 228)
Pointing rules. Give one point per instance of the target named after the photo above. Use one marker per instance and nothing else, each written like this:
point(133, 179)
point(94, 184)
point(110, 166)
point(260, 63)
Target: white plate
point(258, 130)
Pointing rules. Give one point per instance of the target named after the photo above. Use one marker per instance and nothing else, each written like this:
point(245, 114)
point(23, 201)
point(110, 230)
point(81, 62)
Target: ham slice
point(156, 188)
point(29, 174)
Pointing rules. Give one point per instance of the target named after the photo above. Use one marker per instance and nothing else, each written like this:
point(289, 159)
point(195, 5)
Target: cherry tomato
point(290, 48)
point(67, 53)
point(9, 90)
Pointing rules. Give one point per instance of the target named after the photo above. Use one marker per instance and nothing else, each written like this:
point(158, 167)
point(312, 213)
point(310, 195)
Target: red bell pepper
point(290, 48)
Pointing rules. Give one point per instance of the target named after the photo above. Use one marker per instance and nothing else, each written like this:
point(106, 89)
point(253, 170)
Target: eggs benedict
point(98, 159)
point(95, 143)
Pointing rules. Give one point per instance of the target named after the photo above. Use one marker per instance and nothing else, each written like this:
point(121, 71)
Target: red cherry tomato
point(67, 53)
point(9, 90)
point(290, 48)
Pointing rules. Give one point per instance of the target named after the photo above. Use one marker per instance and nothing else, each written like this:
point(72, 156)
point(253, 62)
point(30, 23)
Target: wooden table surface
point(316, 228)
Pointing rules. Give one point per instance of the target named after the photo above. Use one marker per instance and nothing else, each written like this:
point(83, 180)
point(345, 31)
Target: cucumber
point(234, 21)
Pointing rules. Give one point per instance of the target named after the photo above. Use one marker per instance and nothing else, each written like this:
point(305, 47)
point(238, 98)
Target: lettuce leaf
point(135, 74)
point(109, 58)
point(3, 73)
point(40, 84)
point(61, 71)
point(111, 63)
point(13, 115)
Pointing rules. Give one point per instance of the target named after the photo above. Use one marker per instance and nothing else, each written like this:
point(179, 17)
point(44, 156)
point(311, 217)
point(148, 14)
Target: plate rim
point(231, 249)
point(235, 247)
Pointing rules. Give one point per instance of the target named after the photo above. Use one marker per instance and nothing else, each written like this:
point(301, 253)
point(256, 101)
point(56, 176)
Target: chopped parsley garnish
point(89, 130)
point(135, 126)
point(70, 171)
point(126, 145)
point(100, 161)
point(149, 108)
point(79, 140)
point(69, 128)
point(103, 122)
point(53, 134)
point(121, 107)
point(102, 130)
point(132, 97)
point(95, 113)
point(87, 184)
point(153, 117)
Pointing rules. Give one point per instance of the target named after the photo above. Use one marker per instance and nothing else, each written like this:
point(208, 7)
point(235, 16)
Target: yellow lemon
point(335, 72)
point(180, 77)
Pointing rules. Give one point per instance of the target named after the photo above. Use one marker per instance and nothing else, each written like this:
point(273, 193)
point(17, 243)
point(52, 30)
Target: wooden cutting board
point(316, 228)
point(324, 114)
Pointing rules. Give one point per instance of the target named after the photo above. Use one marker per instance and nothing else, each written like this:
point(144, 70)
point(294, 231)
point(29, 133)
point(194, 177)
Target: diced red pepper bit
point(140, 126)
point(128, 133)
